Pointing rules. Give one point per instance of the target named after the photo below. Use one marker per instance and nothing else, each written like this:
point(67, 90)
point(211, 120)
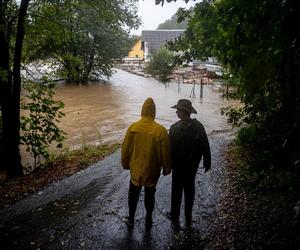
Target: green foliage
point(3, 75)
point(168, 1)
point(84, 38)
point(172, 24)
point(235, 116)
point(39, 125)
point(200, 36)
point(83, 157)
point(161, 65)
point(254, 174)
point(72, 67)
point(133, 39)
point(261, 53)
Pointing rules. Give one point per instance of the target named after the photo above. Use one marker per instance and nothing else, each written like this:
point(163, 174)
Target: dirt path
point(85, 211)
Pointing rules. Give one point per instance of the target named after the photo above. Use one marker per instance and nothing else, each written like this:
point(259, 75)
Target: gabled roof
point(156, 38)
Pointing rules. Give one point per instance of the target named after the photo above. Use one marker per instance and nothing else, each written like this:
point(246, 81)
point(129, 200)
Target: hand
point(206, 169)
point(166, 172)
point(125, 164)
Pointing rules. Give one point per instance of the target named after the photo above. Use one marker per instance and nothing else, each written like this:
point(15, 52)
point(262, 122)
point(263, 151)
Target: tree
point(255, 42)
point(12, 21)
point(168, 1)
point(172, 24)
point(161, 64)
point(84, 38)
point(80, 35)
point(39, 125)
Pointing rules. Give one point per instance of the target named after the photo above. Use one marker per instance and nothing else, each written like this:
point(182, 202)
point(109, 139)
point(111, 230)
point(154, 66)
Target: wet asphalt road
point(86, 211)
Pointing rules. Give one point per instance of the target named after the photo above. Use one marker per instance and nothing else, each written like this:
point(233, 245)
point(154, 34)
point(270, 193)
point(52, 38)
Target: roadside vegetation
point(57, 167)
point(79, 41)
point(39, 124)
point(258, 210)
point(247, 40)
point(256, 45)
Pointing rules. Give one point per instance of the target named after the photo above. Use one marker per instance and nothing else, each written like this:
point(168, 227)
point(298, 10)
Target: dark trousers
point(183, 181)
point(133, 198)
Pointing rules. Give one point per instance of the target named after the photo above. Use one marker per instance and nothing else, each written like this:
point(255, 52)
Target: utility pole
point(193, 94)
point(201, 88)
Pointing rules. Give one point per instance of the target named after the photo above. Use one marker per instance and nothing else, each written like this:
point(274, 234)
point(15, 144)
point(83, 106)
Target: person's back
point(146, 148)
point(145, 151)
point(189, 143)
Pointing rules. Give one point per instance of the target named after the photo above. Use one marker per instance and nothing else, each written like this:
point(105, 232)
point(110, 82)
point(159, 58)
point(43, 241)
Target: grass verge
point(57, 168)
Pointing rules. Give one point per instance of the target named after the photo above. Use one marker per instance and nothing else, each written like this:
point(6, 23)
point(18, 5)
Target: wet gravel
point(86, 211)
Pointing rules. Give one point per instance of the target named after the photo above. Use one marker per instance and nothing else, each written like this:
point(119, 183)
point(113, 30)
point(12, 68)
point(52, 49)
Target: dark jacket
point(189, 142)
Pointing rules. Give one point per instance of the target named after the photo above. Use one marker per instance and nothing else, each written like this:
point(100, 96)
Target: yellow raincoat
point(145, 150)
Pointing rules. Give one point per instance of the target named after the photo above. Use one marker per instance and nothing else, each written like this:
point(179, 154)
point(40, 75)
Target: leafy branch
point(39, 125)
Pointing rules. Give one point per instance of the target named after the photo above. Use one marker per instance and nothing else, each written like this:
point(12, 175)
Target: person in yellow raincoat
point(145, 152)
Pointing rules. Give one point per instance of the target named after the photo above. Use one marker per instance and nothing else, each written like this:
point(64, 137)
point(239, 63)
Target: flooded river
point(86, 210)
point(101, 112)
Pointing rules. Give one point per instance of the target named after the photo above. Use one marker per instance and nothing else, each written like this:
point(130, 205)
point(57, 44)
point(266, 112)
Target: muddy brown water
point(102, 111)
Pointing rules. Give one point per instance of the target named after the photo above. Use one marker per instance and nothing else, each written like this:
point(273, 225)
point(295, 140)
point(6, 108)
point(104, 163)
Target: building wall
point(136, 51)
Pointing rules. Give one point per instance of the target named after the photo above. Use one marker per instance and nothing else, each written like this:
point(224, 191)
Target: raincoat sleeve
point(205, 148)
point(166, 159)
point(126, 149)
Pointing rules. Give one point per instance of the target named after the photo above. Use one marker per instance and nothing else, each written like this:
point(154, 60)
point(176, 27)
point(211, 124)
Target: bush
point(39, 126)
point(161, 65)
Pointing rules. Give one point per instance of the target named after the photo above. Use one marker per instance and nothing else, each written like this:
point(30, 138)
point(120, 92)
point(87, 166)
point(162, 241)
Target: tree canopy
point(84, 38)
point(161, 65)
point(172, 24)
point(254, 41)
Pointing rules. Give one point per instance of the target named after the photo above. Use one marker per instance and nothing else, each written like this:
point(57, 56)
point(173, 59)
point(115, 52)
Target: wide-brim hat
point(185, 105)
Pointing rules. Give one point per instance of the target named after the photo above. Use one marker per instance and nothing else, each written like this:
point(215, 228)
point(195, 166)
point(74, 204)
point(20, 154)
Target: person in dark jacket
point(188, 143)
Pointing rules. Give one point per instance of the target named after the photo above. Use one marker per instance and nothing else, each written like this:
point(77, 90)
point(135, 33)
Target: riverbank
point(55, 169)
point(186, 75)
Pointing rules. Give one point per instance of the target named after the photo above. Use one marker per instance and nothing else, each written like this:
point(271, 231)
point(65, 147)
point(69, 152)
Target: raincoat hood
point(145, 149)
point(148, 109)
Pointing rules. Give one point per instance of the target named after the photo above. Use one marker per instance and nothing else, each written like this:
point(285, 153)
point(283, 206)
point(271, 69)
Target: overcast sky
point(152, 15)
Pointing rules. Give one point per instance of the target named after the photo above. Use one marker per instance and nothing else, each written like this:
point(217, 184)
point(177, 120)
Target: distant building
point(136, 51)
point(153, 40)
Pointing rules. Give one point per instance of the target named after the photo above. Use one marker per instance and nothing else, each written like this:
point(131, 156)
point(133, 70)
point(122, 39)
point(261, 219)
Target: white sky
point(152, 15)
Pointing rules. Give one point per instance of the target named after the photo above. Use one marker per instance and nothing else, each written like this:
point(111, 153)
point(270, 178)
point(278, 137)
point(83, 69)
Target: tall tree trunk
point(5, 88)
point(10, 96)
point(3, 69)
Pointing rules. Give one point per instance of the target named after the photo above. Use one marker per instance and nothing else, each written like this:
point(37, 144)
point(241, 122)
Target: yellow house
point(136, 51)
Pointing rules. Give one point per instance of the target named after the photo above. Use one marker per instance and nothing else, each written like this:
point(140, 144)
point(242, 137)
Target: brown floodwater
point(102, 111)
